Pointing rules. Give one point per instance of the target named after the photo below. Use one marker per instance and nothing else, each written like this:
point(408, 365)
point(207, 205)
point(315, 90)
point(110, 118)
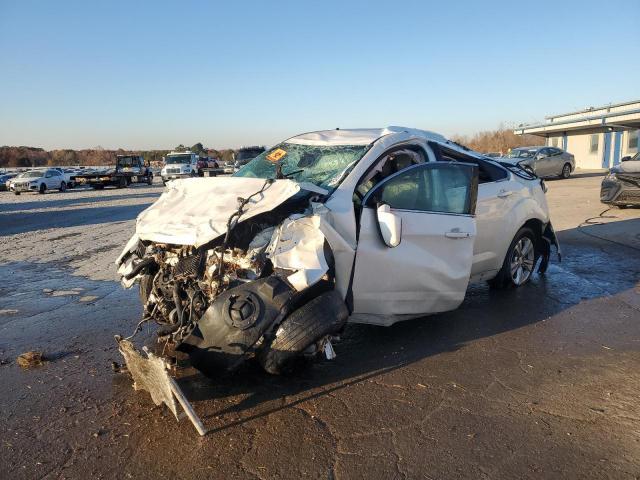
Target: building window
point(633, 140)
point(594, 143)
point(554, 142)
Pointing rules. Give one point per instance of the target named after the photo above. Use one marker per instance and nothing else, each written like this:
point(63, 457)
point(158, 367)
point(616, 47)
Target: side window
point(388, 165)
point(433, 187)
point(488, 171)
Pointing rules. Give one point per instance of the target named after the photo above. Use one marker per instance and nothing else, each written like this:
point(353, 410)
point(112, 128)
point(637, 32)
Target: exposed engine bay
point(264, 288)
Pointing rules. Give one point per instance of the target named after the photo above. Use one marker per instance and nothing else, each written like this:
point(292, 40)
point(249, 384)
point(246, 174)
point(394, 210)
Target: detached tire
point(324, 315)
point(519, 263)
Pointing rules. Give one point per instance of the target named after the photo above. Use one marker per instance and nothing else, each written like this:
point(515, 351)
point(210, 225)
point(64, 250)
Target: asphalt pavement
point(538, 382)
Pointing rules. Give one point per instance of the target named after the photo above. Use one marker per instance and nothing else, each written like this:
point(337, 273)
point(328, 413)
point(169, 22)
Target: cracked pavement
point(539, 382)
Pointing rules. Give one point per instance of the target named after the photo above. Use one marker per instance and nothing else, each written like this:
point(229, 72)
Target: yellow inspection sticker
point(276, 155)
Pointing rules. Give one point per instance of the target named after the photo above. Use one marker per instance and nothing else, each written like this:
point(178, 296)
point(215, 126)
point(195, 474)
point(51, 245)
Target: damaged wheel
point(519, 263)
point(324, 315)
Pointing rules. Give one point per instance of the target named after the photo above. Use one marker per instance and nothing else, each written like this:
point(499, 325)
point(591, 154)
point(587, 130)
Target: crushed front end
point(245, 286)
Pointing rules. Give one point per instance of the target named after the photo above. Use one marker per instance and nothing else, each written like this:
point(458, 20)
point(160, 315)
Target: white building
point(597, 137)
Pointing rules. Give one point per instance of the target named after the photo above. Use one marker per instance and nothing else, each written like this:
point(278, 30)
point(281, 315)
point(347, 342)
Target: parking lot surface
point(539, 382)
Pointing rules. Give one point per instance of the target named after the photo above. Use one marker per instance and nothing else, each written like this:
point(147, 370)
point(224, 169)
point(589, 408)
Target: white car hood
point(195, 211)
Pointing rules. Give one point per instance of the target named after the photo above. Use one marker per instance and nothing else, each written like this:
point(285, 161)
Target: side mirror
point(625, 159)
point(389, 225)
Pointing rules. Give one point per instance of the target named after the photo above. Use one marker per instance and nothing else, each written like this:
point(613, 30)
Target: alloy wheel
point(522, 261)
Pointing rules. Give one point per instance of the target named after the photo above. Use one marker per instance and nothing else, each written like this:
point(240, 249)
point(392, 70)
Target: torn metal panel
point(298, 245)
point(149, 374)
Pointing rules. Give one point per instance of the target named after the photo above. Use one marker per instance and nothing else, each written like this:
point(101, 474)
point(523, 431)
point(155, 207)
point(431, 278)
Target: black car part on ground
point(621, 189)
point(234, 322)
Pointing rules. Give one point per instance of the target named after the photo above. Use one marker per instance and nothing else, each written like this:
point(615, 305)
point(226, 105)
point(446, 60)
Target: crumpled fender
point(298, 244)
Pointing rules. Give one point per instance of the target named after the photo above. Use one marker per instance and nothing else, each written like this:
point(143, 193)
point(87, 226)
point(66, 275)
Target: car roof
point(359, 136)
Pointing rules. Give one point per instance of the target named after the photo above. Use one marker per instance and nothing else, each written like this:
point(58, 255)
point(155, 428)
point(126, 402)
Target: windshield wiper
point(288, 174)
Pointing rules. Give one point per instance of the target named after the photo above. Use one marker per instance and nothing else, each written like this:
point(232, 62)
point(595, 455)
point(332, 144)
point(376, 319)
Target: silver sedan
point(544, 161)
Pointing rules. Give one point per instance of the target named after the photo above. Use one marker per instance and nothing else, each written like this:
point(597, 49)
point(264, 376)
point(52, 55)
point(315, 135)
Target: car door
point(49, 179)
point(555, 162)
point(428, 210)
point(540, 162)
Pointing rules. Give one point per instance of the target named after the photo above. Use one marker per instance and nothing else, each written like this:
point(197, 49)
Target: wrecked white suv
point(368, 226)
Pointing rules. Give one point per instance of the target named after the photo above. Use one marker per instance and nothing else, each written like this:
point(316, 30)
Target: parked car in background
point(244, 155)
point(543, 161)
point(38, 181)
point(66, 173)
point(621, 187)
point(4, 181)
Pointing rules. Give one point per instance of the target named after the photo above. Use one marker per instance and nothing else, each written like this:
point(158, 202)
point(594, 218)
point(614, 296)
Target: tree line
point(500, 140)
point(26, 157)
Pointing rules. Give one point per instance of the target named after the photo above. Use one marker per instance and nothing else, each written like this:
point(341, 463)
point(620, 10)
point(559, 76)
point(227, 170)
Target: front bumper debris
point(151, 374)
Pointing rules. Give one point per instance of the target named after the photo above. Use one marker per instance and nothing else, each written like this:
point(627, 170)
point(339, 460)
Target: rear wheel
point(150, 179)
point(519, 262)
point(42, 189)
point(16, 193)
point(63, 187)
point(566, 171)
point(122, 182)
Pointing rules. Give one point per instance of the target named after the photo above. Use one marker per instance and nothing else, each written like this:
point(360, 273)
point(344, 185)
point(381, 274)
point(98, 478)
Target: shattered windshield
point(522, 153)
point(321, 165)
point(177, 159)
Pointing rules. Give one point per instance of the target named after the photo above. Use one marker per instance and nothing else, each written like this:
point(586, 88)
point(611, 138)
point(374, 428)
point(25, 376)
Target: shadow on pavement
point(22, 222)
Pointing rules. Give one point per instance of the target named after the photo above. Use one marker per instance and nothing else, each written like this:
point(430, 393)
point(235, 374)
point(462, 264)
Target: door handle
point(504, 193)
point(457, 234)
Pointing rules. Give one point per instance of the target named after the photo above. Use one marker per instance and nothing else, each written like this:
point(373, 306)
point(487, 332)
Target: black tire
point(122, 183)
point(325, 314)
point(16, 193)
point(150, 180)
point(504, 279)
point(63, 187)
point(193, 173)
point(97, 187)
point(164, 182)
point(42, 189)
point(566, 171)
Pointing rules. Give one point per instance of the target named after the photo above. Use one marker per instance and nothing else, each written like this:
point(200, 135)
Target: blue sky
point(136, 74)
